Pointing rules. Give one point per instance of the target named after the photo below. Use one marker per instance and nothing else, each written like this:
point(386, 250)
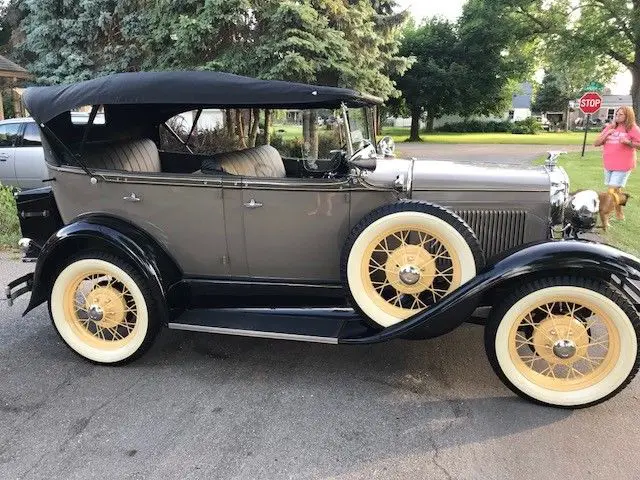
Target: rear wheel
point(102, 309)
point(564, 341)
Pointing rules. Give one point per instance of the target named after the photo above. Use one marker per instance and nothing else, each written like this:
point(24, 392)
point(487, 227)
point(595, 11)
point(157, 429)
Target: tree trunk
point(430, 120)
point(267, 127)
point(635, 91)
point(414, 136)
point(313, 134)
point(254, 127)
point(228, 124)
point(378, 117)
point(240, 129)
point(306, 137)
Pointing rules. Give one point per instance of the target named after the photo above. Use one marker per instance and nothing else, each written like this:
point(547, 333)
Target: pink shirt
point(617, 155)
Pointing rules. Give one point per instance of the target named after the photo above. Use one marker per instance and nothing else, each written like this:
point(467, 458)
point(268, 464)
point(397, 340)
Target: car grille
point(497, 230)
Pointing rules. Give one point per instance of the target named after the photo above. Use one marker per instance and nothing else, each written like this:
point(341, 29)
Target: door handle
point(253, 204)
point(132, 198)
point(3, 157)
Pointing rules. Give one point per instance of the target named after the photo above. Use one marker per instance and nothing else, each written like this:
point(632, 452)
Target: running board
point(320, 325)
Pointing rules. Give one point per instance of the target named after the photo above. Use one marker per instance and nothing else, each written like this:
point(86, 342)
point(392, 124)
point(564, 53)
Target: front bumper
point(18, 287)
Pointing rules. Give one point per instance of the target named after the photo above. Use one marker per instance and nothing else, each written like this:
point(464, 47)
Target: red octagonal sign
point(590, 102)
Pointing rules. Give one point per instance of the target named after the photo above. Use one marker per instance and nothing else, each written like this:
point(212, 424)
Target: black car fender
point(108, 234)
point(570, 257)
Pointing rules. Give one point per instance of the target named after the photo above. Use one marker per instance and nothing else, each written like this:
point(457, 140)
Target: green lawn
point(586, 172)
point(544, 138)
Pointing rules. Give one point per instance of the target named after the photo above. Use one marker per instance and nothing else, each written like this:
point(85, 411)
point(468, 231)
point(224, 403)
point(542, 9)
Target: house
point(610, 103)
point(520, 110)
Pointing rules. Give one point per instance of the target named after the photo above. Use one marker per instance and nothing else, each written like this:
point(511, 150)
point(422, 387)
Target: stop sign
point(590, 103)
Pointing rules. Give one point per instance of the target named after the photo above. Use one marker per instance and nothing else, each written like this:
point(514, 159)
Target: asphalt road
point(502, 154)
point(206, 406)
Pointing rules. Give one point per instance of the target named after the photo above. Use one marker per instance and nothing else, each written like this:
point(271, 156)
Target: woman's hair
point(630, 117)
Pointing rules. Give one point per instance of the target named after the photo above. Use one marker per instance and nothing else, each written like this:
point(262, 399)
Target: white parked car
point(22, 162)
point(21, 155)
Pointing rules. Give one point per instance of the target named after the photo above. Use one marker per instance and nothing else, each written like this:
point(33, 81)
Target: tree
point(430, 85)
point(496, 56)
point(554, 94)
point(600, 31)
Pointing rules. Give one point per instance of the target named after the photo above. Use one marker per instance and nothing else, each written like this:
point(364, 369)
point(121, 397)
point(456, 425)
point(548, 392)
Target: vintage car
point(350, 246)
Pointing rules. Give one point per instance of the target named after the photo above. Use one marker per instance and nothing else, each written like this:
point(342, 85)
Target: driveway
point(218, 407)
point(503, 154)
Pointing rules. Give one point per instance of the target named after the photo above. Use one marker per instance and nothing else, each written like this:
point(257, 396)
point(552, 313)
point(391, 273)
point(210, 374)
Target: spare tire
point(404, 257)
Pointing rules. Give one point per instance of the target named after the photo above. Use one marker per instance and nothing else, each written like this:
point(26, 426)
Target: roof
point(11, 69)
point(156, 91)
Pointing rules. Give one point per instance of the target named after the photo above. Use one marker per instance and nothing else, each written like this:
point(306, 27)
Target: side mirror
point(387, 147)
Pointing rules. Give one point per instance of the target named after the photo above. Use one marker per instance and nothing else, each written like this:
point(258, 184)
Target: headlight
point(558, 196)
point(582, 210)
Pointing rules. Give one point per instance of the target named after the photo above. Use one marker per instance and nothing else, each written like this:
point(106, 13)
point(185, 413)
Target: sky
point(451, 9)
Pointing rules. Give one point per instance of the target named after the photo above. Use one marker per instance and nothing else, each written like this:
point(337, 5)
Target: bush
point(476, 126)
point(529, 126)
point(9, 222)
point(202, 140)
point(327, 141)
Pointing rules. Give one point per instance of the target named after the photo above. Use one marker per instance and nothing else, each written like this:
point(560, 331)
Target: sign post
point(589, 104)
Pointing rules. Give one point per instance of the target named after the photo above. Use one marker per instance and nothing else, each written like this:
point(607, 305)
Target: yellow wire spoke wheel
point(403, 262)
point(99, 310)
point(569, 345)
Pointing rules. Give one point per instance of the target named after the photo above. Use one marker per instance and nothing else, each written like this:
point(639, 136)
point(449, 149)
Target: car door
point(8, 136)
point(294, 228)
point(29, 158)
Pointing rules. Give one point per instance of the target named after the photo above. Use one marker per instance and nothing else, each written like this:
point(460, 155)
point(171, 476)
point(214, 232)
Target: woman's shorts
point(616, 178)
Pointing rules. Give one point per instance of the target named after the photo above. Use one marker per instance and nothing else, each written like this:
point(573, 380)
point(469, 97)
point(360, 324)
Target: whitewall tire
point(100, 307)
point(566, 341)
point(405, 257)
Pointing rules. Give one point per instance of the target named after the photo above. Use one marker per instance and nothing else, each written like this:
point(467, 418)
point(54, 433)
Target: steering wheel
point(335, 161)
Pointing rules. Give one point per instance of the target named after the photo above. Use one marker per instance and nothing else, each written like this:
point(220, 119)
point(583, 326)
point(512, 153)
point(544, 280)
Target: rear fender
point(571, 257)
point(107, 234)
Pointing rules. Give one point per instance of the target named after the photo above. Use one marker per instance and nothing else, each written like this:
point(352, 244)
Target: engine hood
point(448, 175)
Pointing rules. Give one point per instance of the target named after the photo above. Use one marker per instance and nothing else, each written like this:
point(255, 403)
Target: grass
point(586, 172)
point(401, 135)
point(9, 222)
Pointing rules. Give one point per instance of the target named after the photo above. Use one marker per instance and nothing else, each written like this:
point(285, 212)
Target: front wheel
point(102, 309)
point(568, 342)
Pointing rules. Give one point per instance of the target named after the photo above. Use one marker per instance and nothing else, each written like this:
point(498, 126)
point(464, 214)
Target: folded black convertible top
point(203, 88)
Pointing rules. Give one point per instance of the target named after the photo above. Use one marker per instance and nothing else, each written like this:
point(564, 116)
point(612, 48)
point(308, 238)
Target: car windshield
point(359, 125)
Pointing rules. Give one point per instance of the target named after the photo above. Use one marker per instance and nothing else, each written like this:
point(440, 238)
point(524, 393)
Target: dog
point(611, 201)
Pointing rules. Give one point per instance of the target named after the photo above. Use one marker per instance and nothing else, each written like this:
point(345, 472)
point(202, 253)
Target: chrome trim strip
point(253, 333)
point(284, 283)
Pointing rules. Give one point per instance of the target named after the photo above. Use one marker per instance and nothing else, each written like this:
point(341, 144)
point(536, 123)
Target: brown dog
point(609, 202)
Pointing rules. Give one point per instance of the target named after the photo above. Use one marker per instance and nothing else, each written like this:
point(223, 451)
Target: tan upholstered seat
point(262, 161)
point(140, 155)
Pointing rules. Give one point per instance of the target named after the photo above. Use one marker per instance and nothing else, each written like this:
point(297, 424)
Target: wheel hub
point(107, 306)
point(95, 312)
point(410, 269)
point(564, 348)
point(409, 274)
point(558, 339)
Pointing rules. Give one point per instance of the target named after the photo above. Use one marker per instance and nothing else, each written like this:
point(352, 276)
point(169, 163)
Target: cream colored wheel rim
point(566, 345)
point(99, 310)
point(406, 262)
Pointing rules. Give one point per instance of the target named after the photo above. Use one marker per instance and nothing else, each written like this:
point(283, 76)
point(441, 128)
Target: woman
point(620, 139)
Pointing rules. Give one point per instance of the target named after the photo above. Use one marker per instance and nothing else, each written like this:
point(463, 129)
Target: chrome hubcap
point(96, 313)
point(564, 348)
point(409, 274)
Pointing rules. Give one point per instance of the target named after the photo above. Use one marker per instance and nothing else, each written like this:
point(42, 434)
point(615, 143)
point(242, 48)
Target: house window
point(511, 112)
point(610, 114)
